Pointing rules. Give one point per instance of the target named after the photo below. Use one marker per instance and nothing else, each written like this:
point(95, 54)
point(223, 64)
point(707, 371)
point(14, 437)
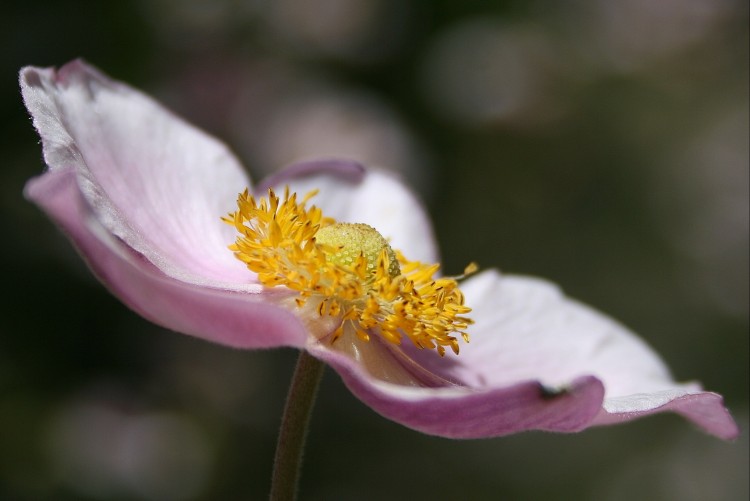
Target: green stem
point(294, 424)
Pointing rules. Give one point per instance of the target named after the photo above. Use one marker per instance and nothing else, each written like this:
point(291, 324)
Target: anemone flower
point(349, 280)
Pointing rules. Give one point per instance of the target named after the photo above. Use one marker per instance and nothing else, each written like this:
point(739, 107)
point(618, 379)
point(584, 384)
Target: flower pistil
point(349, 271)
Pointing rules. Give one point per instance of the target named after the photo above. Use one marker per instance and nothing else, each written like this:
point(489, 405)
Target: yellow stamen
point(351, 271)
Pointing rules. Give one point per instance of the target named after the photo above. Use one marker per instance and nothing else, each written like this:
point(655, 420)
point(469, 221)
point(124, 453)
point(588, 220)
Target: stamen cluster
point(367, 290)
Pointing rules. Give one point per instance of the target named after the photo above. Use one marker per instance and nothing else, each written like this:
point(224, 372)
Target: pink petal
point(531, 330)
point(461, 412)
point(239, 319)
point(527, 329)
point(151, 179)
point(532, 350)
point(349, 193)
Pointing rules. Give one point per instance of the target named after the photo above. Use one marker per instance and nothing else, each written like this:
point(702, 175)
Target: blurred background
point(600, 144)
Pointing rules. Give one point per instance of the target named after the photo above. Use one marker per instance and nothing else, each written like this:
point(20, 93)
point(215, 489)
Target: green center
point(353, 239)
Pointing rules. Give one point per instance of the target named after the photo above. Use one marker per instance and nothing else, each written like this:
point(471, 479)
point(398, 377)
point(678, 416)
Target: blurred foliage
point(602, 145)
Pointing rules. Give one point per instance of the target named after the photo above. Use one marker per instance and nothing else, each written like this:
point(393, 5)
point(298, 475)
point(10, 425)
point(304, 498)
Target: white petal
point(153, 180)
point(526, 329)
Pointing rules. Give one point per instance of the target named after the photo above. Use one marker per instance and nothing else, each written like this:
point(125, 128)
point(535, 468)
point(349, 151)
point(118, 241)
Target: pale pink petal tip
point(149, 178)
point(704, 409)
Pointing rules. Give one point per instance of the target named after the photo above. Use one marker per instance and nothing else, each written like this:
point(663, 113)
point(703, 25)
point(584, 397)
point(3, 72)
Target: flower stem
point(294, 424)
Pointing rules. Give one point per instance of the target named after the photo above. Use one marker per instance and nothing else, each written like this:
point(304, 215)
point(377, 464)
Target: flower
point(141, 193)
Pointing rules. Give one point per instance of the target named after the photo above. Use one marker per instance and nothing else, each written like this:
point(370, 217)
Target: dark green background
point(621, 174)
